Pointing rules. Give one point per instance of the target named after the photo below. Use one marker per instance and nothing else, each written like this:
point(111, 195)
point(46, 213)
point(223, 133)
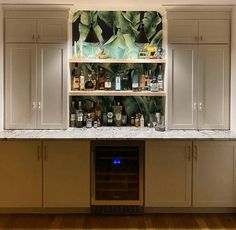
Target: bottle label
point(134, 85)
point(118, 116)
point(80, 118)
point(108, 84)
point(72, 117)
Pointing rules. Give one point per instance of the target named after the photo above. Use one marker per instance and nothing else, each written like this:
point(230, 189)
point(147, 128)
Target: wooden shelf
point(78, 60)
point(116, 93)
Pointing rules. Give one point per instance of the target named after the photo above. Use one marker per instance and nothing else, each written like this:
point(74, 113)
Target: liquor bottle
point(89, 83)
point(160, 78)
point(81, 80)
point(142, 121)
point(89, 122)
point(72, 115)
point(98, 112)
point(146, 81)
point(108, 83)
point(79, 114)
point(94, 77)
point(109, 118)
point(117, 109)
point(135, 80)
point(142, 82)
point(137, 120)
point(118, 82)
point(75, 80)
point(154, 84)
point(101, 79)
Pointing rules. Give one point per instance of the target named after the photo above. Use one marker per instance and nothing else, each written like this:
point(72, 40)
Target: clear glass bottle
point(154, 84)
point(108, 83)
point(117, 109)
point(109, 118)
point(142, 121)
point(72, 115)
point(118, 82)
point(160, 78)
point(101, 79)
point(89, 122)
point(79, 115)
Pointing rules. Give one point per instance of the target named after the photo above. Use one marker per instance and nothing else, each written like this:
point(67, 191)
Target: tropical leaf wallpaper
point(116, 31)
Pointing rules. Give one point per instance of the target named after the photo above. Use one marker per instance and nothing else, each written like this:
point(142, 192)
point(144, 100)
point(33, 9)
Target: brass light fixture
point(91, 36)
point(142, 37)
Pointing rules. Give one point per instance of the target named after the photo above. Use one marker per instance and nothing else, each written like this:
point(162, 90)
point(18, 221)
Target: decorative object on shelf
point(102, 55)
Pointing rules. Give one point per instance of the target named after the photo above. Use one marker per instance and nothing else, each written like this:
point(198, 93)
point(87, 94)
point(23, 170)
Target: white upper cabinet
point(183, 31)
point(20, 85)
point(20, 30)
point(51, 30)
point(214, 31)
point(186, 31)
point(182, 91)
point(52, 85)
point(213, 89)
point(48, 30)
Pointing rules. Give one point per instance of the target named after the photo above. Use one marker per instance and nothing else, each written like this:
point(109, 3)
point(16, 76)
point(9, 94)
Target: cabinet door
point(213, 109)
point(214, 31)
point(213, 174)
point(20, 90)
point(20, 30)
point(182, 92)
point(20, 174)
point(66, 177)
point(183, 31)
point(52, 87)
point(168, 173)
point(52, 30)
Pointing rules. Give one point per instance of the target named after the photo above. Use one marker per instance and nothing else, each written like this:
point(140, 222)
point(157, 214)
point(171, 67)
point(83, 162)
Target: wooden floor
point(147, 221)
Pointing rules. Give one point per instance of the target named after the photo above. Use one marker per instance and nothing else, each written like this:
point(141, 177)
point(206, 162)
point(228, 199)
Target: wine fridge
point(117, 176)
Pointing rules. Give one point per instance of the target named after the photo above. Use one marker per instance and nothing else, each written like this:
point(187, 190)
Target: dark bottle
point(89, 83)
point(109, 118)
point(79, 114)
point(72, 115)
point(101, 79)
point(94, 79)
point(75, 83)
point(108, 83)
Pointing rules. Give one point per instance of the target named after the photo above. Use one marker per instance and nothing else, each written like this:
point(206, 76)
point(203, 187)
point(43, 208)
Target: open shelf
point(116, 93)
point(108, 60)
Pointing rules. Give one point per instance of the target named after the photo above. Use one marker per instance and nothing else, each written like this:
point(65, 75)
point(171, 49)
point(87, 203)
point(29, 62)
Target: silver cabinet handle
point(39, 105)
point(34, 105)
point(194, 105)
point(200, 106)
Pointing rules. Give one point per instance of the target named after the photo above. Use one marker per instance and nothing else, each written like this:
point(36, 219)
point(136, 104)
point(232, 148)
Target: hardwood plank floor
point(122, 222)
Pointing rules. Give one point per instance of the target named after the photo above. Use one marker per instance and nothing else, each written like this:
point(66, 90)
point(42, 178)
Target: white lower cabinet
point(168, 167)
point(20, 174)
point(214, 174)
point(66, 173)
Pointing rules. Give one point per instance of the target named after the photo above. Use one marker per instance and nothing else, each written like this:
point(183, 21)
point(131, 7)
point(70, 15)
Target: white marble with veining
point(117, 133)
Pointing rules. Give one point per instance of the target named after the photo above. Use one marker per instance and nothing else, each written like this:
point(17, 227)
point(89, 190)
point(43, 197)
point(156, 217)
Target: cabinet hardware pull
point(45, 153)
point(200, 106)
point(39, 105)
point(201, 37)
point(33, 37)
point(189, 153)
point(38, 152)
point(195, 152)
point(34, 105)
point(194, 105)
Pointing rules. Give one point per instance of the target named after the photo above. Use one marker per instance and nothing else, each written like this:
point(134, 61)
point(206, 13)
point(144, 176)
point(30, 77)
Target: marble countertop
point(117, 133)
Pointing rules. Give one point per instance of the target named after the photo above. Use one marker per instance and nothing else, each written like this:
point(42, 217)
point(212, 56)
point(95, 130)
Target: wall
point(1, 68)
point(233, 70)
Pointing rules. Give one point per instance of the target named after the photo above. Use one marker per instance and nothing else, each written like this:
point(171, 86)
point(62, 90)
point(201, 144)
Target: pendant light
point(91, 36)
point(142, 37)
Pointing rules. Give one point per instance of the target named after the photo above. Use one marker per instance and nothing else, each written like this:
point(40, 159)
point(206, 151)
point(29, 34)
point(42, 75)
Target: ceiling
point(122, 4)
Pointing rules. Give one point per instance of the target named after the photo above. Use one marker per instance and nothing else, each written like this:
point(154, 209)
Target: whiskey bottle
point(72, 115)
point(154, 84)
point(98, 112)
point(108, 83)
point(89, 122)
point(101, 79)
point(137, 121)
point(79, 114)
point(75, 79)
point(94, 79)
point(89, 83)
point(146, 81)
point(160, 78)
point(117, 109)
